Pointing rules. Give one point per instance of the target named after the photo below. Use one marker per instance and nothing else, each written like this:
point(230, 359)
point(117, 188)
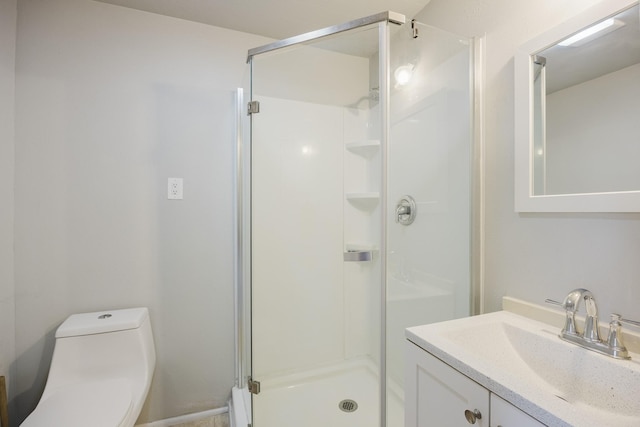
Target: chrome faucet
point(571, 304)
point(590, 336)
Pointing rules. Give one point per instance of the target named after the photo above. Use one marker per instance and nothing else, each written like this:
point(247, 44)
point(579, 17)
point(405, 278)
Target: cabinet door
point(504, 414)
point(437, 395)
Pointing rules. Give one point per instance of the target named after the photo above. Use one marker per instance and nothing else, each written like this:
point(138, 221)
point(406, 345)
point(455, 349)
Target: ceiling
point(276, 19)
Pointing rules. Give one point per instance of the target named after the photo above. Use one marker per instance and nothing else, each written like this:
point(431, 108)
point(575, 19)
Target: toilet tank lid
point(102, 321)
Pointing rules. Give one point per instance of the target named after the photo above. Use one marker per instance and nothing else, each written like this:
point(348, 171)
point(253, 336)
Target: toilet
point(100, 372)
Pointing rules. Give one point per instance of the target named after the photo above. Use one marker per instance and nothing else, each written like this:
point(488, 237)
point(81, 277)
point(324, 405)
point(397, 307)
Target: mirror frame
point(525, 200)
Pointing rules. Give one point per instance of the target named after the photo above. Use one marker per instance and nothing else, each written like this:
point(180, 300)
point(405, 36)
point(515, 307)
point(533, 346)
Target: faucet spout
point(571, 304)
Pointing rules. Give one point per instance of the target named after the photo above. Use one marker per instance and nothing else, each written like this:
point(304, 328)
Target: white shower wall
point(297, 236)
point(309, 307)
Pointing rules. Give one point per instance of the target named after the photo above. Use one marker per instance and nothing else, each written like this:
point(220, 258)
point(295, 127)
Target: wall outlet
point(175, 189)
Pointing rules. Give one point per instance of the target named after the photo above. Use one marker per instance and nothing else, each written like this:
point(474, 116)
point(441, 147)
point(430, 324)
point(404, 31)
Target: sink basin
point(524, 361)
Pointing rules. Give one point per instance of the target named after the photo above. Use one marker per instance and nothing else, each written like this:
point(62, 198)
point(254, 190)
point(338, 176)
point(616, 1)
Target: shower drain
point(348, 405)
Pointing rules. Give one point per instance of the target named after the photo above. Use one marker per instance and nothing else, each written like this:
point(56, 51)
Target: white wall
point(592, 135)
point(537, 256)
point(110, 103)
point(8, 9)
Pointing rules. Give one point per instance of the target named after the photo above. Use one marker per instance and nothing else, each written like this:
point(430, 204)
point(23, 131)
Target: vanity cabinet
point(436, 395)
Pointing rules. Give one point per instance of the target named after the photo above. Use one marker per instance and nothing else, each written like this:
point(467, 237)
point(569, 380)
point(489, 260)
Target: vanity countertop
point(513, 356)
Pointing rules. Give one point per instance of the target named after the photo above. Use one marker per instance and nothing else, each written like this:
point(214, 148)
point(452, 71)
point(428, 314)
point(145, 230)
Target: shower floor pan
point(325, 397)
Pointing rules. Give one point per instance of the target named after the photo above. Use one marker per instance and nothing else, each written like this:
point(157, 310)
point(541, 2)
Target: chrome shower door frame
point(243, 186)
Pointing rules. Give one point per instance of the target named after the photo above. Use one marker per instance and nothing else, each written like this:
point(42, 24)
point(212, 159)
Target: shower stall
point(354, 216)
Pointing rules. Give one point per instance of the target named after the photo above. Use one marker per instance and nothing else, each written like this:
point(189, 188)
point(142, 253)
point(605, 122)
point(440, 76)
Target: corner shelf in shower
point(359, 253)
point(365, 201)
point(356, 256)
point(364, 148)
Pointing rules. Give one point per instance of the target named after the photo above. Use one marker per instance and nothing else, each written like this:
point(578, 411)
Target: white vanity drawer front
point(504, 414)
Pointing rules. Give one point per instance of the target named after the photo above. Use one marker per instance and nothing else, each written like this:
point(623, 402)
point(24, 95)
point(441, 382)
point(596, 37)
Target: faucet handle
point(614, 340)
point(630, 322)
point(591, 329)
point(570, 321)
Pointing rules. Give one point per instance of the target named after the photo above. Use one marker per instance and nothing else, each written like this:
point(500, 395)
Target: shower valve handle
point(406, 210)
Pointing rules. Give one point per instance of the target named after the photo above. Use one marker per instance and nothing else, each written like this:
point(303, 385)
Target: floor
point(221, 420)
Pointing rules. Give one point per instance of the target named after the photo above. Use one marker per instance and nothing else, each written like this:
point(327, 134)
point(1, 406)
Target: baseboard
point(168, 422)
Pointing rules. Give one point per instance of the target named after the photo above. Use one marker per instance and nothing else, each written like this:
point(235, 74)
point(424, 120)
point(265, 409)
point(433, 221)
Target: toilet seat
point(97, 404)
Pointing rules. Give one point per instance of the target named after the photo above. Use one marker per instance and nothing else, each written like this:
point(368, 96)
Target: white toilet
point(100, 372)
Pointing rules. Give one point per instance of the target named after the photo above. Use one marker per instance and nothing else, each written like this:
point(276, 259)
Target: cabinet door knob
point(472, 416)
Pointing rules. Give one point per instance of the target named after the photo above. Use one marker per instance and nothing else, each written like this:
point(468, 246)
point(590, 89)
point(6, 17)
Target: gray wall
point(110, 103)
point(7, 98)
point(537, 256)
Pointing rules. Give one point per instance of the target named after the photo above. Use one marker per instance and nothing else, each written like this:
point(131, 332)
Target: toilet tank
point(102, 346)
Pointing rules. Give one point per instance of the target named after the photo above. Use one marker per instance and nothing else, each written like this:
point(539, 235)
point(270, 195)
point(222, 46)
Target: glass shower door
point(315, 233)
point(429, 158)
point(340, 265)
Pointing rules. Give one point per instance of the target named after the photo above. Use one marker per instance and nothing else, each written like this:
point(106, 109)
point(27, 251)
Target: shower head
point(374, 95)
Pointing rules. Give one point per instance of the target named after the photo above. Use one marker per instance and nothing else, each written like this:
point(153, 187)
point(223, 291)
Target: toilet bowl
point(100, 372)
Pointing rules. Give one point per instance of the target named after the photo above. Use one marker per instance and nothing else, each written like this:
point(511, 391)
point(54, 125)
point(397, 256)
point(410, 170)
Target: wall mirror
point(578, 114)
